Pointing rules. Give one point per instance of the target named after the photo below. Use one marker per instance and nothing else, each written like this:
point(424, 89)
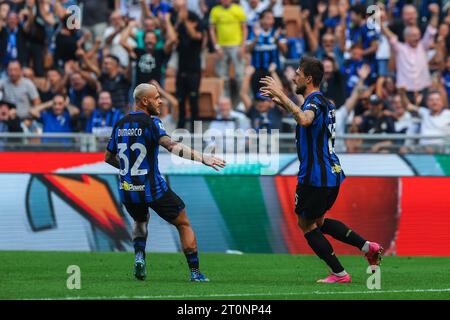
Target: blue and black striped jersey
point(266, 49)
point(101, 121)
point(135, 140)
point(319, 164)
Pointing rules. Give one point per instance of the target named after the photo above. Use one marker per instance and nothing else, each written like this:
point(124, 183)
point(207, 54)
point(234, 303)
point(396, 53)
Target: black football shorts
point(313, 202)
point(167, 207)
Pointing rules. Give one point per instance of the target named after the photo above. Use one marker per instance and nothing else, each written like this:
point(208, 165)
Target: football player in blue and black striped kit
point(133, 149)
point(320, 174)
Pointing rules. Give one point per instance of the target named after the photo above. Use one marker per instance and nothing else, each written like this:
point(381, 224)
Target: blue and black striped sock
point(139, 245)
point(192, 260)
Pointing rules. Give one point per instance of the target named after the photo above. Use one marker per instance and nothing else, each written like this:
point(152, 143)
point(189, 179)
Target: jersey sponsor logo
point(131, 187)
point(132, 132)
point(313, 106)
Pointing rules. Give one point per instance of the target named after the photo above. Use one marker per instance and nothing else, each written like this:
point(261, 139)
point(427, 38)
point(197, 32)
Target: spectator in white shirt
point(228, 122)
point(434, 119)
point(227, 118)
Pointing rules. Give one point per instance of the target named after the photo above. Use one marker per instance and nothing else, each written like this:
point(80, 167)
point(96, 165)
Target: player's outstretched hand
point(213, 162)
point(271, 89)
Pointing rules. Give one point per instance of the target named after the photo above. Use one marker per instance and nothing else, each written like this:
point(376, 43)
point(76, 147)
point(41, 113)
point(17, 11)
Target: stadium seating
point(291, 15)
point(211, 89)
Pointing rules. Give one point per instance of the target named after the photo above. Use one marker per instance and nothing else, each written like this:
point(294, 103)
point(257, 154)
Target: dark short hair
point(111, 56)
point(264, 12)
point(150, 31)
point(359, 9)
point(329, 58)
point(312, 67)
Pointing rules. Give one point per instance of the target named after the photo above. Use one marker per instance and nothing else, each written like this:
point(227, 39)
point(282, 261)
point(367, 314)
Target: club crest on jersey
point(131, 187)
point(336, 168)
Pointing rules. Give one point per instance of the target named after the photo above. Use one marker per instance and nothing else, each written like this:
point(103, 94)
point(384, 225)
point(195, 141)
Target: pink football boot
point(374, 255)
point(332, 278)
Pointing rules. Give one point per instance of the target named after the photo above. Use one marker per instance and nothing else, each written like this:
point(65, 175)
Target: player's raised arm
point(184, 151)
point(273, 90)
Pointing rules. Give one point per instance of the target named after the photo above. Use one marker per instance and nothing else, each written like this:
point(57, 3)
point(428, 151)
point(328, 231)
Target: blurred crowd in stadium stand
point(386, 73)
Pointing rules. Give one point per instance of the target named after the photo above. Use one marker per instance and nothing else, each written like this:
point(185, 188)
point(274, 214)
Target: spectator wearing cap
point(266, 44)
point(263, 114)
point(13, 41)
point(9, 122)
point(104, 117)
point(228, 30)
point(412, 71)
point(56, 116)
point(115, 82)
point(261, 111)
point(375, 120)
point(19, 90)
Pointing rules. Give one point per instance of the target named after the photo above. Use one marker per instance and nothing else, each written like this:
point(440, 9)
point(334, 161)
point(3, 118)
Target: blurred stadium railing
point(350, 143)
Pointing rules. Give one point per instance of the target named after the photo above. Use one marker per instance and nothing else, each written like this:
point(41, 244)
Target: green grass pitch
point(42, 275)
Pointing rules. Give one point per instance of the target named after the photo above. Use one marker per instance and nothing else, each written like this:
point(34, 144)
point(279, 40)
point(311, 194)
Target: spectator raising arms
point(56, 116)
point(266, 44)
point(411, 56)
